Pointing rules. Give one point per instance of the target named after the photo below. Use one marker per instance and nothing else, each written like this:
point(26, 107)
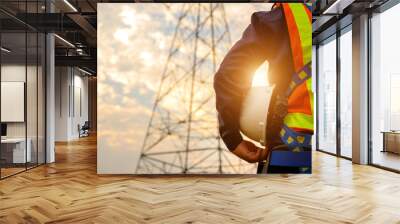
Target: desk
point(16, 147)
point(391, 141)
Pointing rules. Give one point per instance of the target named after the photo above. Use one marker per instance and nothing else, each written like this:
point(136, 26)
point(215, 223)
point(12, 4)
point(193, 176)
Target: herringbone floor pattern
point(70, 191)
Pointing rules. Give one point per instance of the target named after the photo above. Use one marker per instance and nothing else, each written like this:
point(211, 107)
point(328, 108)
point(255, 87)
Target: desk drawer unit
point(391, 142)
point(13, 151)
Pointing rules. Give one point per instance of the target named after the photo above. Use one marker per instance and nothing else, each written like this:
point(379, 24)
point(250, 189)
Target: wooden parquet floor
point(70, 191)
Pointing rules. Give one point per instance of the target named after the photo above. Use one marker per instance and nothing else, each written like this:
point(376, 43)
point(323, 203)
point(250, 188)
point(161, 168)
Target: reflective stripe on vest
point(299, 121)
point(298, 21)
point(300, 102)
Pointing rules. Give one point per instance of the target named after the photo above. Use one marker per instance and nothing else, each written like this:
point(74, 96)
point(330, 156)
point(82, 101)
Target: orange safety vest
point(298, 124)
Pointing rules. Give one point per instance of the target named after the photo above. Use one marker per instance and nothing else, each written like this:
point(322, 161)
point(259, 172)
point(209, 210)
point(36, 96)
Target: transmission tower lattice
point(182, 134)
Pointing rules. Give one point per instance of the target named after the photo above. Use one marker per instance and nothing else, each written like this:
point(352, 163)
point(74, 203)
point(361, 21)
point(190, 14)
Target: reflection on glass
point(346, 94)
point(327, 96)
point(385, 86)
point(13, 86)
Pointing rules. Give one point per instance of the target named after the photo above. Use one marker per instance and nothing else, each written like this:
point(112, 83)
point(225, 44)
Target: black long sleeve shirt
point(265, 39)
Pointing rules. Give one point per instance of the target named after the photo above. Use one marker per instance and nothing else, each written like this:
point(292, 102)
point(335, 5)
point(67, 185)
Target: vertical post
point(316, 109)
point(338, 97)
point(26, 89)
point(50, 92)
point(369, 88)
point(37, 90)
point(360, 90)
point(0, 95)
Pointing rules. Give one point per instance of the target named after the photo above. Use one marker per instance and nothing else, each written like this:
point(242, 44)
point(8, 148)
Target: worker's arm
point(232, 81)
point(234, 78)
point(251, 153)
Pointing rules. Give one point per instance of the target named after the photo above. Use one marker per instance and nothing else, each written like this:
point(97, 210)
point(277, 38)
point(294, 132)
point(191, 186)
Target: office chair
point(84, 130)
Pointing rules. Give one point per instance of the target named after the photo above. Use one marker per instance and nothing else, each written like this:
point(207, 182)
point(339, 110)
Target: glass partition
point(22, 77)
point(327, 95)
point(385, 89)
point(13, 108)
point(346, 93)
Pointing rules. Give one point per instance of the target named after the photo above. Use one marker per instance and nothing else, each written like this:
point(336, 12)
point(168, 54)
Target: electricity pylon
point(182, 134)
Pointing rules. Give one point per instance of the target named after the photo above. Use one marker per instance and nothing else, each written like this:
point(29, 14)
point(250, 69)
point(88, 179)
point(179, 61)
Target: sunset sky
point(133, 44)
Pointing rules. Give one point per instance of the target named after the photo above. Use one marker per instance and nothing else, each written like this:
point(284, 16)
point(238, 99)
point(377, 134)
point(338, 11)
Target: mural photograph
point(185, 88)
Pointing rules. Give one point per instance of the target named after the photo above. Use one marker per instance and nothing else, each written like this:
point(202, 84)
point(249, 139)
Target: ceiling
point(329, 16)
point(75, 21)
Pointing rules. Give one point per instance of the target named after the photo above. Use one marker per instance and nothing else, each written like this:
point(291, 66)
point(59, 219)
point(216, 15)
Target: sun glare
point(260, 76)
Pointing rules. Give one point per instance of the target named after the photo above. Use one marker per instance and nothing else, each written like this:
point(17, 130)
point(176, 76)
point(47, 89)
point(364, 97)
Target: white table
point(19, 154)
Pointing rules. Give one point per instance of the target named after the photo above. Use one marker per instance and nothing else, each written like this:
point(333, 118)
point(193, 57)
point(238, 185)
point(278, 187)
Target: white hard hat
point(253, 117)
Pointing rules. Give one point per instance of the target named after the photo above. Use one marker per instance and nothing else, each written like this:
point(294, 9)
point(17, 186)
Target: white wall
point(62, 80)
point(71, 87)
point(81, 84)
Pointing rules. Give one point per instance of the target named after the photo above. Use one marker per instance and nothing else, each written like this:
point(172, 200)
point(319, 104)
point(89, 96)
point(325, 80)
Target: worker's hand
point(251, 153)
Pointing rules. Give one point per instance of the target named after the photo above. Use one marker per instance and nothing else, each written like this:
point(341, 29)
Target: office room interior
point(58, 164)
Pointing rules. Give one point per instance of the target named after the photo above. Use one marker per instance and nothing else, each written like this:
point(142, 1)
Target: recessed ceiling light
point(70, 5)
point(84, 71)
point(64, 40)
point(337, 7)
point(5, 50)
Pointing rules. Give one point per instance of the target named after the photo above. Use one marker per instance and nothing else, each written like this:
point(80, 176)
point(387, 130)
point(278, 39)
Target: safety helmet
point(253, 117)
